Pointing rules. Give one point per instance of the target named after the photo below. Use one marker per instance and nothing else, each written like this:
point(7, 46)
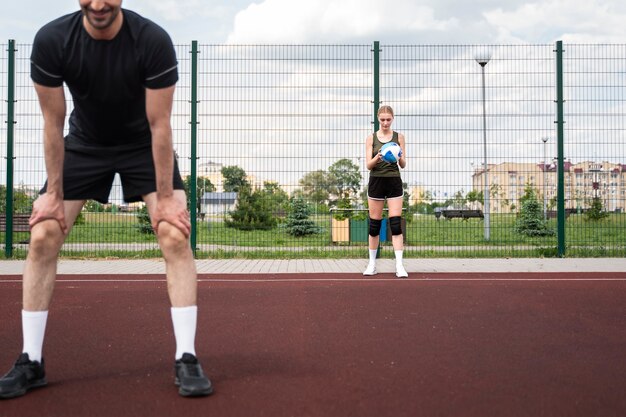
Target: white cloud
point(582, 21)
point(288, 21)
point(179, 10)
point(354, 21)
point(207, 21)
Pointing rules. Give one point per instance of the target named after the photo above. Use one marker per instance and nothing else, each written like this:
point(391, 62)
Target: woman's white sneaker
point(371, 270)
point(401, 272)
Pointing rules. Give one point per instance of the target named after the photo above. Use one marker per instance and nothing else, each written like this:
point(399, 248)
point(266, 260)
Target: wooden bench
point(20, 223)
point(462, 214)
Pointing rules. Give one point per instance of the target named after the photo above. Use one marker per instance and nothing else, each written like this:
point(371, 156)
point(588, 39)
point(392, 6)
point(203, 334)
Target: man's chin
point(100, 24)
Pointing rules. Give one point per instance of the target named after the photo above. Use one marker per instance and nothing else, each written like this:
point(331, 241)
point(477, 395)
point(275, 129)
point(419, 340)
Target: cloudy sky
point(392, 22)
point(355, 21)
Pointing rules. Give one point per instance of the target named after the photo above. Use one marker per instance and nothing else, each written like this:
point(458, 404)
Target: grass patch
point(116, 235)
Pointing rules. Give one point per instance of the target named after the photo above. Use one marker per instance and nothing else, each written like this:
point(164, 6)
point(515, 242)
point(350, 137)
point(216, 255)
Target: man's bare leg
point(37, 287)
point(180, 267)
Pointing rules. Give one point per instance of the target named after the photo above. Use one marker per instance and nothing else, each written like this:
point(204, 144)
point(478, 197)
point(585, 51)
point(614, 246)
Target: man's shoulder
point(53, 37)
point(142, 27)
point(61, 25)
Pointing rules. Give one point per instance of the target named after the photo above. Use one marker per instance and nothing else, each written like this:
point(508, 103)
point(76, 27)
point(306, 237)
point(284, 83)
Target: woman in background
point(385, 184)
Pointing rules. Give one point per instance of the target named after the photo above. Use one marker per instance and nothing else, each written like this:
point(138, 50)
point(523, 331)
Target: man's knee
point(170, 237)
point(46, 235)
point(375, 227)
point(395, 224)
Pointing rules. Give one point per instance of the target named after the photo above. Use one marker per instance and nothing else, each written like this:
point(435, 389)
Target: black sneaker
point(189, 377)
point(24, 375)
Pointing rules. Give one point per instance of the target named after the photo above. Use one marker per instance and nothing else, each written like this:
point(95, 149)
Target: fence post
point(559, 136)
point(376, 92)
point(193, 197)
point(8, 235)
point(376, 101)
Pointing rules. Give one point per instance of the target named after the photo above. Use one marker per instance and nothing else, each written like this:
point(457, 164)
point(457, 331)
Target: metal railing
point(265, 124)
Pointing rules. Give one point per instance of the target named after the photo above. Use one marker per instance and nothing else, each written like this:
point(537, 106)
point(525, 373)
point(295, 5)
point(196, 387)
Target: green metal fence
point(537, 129)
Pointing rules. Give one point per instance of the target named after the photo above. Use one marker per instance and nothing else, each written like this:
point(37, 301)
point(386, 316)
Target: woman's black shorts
point(380, 188)
point(89, 175)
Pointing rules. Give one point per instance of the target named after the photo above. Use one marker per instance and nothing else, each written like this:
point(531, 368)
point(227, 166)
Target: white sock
point(398, 256)
point(373, 253)
point(184, 320)
point(33, 330)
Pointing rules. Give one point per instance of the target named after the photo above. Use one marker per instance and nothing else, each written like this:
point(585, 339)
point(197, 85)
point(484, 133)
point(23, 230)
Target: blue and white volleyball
point(391, 152)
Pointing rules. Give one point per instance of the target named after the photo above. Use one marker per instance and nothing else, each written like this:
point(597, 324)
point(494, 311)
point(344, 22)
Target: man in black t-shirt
point(121, 71)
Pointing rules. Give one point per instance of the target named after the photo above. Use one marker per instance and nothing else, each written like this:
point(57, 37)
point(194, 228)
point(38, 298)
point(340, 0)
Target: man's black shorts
point(89, 175)
point(380, 188)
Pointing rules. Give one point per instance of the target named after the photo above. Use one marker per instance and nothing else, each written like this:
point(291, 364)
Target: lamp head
point(482, 58)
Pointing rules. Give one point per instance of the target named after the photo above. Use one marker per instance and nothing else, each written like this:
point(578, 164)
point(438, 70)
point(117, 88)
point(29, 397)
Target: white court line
point(409, 279)
point(337, 280)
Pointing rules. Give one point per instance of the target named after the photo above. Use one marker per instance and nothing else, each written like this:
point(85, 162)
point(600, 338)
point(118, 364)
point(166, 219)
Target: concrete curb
point(274, 266)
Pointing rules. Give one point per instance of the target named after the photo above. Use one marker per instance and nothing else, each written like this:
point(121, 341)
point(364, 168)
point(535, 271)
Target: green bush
point(298, 221)
point(530, 221)
point(252, 212)
point(80, 219)
point(342, 213)
point(596, 211)
point(144, 225)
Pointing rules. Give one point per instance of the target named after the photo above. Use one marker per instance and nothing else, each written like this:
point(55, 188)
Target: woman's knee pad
point(395, 224)
point(375, 227)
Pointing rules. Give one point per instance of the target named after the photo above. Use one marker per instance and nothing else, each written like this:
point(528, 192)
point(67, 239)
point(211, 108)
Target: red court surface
point(333, 345)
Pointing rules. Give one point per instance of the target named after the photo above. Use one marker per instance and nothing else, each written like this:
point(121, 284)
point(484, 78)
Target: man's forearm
point(163, 154)
point(54, 152)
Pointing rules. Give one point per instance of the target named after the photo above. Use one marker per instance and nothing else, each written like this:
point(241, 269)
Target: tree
point(408, 210)
point(474, 197)
point(459, 199)
point(203, 185)
point(596, 211)
point(80, 219)
point(93, 206)
point(344, 180)
point(298, 222)
point(252, 212)
point(530, 220)
point(363, 197)
point(497, 194)
point(22, 202)
point(3, 199)
point(495, 191)
point(143, 221)
point(234, 178)
point(480, 197)
point(315, 186)
point(530, 193)
point(275, 199)
point(255, 209)
point(343, 205)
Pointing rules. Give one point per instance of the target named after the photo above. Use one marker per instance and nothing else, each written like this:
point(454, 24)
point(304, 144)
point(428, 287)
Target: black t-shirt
point(107, 78)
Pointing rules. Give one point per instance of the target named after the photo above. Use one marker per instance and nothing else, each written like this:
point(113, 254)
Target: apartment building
point(583, 182)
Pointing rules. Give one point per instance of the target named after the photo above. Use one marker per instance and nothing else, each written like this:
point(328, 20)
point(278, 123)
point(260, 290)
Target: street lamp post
point(482, 60)
point(473, 179)
point(545, 190)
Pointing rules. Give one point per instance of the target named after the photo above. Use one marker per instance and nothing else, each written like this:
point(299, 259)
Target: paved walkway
point(273, 266)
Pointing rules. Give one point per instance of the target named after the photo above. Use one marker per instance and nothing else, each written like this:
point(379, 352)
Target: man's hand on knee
point(170, 210)
point(49, 207)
